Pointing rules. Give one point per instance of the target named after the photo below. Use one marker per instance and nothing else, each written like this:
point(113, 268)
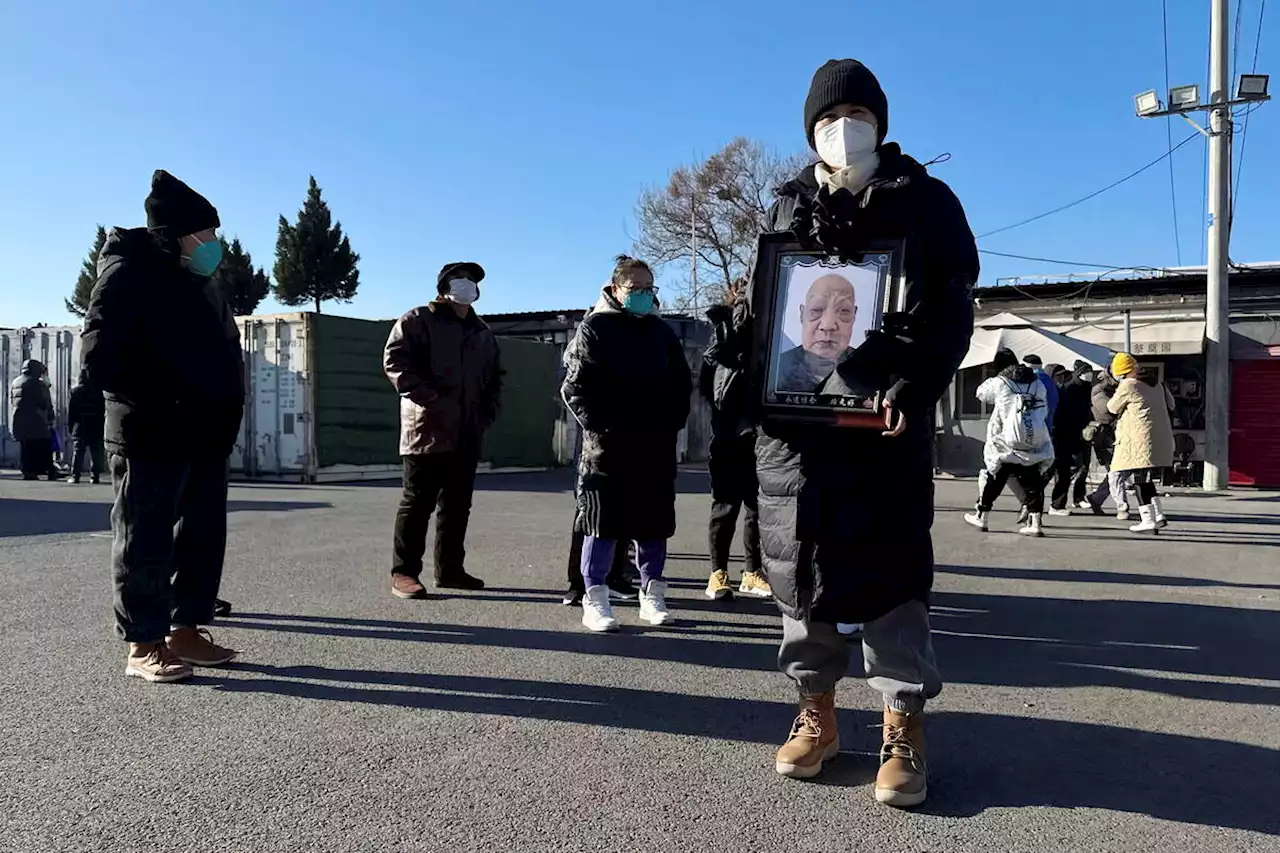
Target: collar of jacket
point(443, 309)
point(608, 304)
point(896, 171)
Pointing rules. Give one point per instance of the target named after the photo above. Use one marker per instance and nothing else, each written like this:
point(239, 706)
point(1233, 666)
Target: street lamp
point(1253, 87)
point(1147, 103)
point(1184, 98)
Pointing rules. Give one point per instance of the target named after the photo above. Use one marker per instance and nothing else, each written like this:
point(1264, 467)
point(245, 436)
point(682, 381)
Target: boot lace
point(808, 724)
point(897, 744)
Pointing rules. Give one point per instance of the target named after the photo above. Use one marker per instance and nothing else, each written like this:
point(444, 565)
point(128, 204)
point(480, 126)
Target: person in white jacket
point(1018, 442)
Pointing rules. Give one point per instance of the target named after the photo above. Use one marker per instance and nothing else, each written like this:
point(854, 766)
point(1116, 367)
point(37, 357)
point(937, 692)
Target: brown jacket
point(445, 369)
point(1144, 433)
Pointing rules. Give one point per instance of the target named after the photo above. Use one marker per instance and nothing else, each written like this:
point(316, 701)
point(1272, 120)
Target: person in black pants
point(442, 359)
point(86, 415)
point(31, 420)
point(1071, 449)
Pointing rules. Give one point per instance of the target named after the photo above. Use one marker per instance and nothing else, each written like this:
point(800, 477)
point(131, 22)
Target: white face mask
point(463, 291)
point(845, 141)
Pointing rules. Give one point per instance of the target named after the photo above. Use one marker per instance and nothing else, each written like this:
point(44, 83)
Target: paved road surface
point(1104, 694)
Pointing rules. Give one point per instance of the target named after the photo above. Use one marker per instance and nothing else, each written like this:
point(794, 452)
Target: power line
point(1093, 194)
point(1168, 135)
point(1244, 132)
point(1066, 263)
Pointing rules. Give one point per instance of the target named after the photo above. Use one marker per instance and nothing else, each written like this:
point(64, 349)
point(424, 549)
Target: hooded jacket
point(1144, 432)
point(1074, 408)
point(162, 345)
point(86, 410)
point(845, 514)
point(1018, 429)
point(447, 372)
point(30, 406)
point(628, 385)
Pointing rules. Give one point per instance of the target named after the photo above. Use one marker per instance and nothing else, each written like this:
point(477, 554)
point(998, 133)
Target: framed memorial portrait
point(813, 312)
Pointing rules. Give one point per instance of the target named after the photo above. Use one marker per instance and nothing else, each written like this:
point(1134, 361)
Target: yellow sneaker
point(754, 583)
point(718, 587)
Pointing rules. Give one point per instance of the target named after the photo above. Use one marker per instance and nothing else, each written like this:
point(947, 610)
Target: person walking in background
point(443, 361)
point(846, 514)
point(1144, 435)
point(628, 385)
point(1070, 448)
point(1102, 434)
point(164, 349)
point(86, 417)
point(1050, 387)
point(732, 464)
point(31, 420)
point(1018, 443)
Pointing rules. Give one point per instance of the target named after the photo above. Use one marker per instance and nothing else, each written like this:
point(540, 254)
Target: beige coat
point(1144, 433)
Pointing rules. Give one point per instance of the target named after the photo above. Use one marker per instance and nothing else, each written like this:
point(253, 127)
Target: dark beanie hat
point(469, 269)
point(175, 210)
point(1004, 358)
point(844, 81)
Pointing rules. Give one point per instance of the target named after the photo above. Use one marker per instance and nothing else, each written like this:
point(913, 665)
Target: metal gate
point(1255, 423)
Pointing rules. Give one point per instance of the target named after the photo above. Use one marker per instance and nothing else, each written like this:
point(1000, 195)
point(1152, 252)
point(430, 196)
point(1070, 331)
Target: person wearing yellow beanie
point(1123, 365)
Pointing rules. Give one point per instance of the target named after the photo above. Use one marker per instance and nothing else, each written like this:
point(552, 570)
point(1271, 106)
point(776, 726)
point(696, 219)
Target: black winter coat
point(628, 384)
point(1074, 413)
point(163, 346)
point(845, 514)
point(86, 411)
point(30, 405)
point(725, 384)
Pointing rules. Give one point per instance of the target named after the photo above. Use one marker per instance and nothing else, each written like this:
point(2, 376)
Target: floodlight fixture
point(1147, 103)
point(1184, 97)
point(1252, 87)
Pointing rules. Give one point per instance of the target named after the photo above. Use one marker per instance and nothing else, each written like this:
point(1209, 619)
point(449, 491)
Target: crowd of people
point(1046, 424)
point(836, 522)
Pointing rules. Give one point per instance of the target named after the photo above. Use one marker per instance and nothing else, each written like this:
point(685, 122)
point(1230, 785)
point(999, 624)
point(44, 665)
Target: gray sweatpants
point(897, 651)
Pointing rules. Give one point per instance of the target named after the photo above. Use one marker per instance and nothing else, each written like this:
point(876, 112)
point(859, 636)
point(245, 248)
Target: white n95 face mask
point(845, 141)
point(463, 291)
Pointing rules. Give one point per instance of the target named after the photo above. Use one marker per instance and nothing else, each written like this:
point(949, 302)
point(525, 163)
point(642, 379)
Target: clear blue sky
point(519, 134)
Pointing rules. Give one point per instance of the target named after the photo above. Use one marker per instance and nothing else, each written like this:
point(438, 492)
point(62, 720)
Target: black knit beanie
point(175, 210)
point(459, 269)
point(1004, 358)
point(844, 81)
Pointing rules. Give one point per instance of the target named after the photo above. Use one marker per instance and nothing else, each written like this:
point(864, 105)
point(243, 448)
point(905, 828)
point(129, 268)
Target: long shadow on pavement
point(20, 517)
point(1095, 576)
point(978, 761)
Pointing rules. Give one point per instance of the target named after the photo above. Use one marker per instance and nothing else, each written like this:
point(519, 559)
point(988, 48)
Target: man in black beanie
point(845, 514)
point(161, 344)
point(442, 359)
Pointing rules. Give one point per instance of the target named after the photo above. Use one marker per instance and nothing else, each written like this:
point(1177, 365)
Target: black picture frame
point(784, 363)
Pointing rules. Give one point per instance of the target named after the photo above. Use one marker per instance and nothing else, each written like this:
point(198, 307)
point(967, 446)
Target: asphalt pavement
point(1104, 692)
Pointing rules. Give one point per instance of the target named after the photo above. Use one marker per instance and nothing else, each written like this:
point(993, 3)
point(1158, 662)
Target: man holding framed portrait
point(862, 311)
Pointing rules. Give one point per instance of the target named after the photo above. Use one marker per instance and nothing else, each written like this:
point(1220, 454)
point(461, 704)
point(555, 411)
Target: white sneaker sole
point(795, 771)
point(757, 593)
point(155, 678)
point(900, 800)
point(976, 525)
point(718, 594)
point(605, 628)
point(1039, 534)
point(658, 619)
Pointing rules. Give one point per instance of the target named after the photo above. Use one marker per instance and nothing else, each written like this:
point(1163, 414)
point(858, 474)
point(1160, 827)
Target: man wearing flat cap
point(162, 345)
point(442, 360)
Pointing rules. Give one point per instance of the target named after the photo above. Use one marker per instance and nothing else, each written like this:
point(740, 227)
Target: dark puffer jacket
point(30, 406)
point(628, 384)
point(845, 514)
point(724, 383)
point(86, 410)
point(163, 347)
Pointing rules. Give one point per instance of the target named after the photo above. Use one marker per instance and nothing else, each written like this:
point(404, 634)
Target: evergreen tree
point(314, 261)
point(242, 286)
point(78, 304)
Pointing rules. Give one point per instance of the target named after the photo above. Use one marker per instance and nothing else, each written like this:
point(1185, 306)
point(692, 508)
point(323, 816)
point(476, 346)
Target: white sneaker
point(1148, 524)
point(1035, 525)
point(849, 629)
point(597, 612)
point(1122, 513)
point(1060, 512)
point(977, 519)
point(653, 604)
point(1023, 514)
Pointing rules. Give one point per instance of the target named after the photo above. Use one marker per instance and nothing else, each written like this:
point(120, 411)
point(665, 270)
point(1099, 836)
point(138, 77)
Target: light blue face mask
point(204, 259)
point(638, 301)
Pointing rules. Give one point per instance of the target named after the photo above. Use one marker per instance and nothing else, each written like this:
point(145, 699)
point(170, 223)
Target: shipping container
point(58, 347)
point(320, 409)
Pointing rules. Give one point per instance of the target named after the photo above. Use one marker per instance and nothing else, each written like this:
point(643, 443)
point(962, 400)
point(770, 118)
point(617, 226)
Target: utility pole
point(693, 244)
point(1217, 312)
point(1251, 92)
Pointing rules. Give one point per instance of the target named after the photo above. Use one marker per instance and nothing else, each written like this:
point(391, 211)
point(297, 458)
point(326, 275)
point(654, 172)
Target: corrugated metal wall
point(524, 435)
point(59, 348)
point(357, 413)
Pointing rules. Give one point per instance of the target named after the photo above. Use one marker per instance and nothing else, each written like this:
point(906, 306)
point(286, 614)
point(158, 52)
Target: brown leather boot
point(814, 739)
point(902, 781)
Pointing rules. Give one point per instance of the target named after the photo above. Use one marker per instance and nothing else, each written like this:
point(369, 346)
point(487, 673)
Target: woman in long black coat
point(845, 514)
point(628, 384)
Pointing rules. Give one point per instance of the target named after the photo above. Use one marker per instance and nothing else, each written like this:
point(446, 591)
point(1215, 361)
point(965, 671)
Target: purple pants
point(597, 559)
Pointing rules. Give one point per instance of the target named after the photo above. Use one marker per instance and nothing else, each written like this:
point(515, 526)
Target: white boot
point(1161, 521)
point(597, 612)
point(977, 519)
point(1035, 525)
point(653, 603)
point(1148, 524)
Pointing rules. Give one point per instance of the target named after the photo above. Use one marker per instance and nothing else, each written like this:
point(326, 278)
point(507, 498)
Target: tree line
point(314, 264)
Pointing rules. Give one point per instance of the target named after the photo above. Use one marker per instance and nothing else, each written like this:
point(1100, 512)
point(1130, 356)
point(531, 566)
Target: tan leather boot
point(902, 781)
point(813, 739)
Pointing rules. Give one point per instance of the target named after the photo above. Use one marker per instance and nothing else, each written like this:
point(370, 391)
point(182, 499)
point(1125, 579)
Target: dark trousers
point(617, 572)
point(1029, 477)
point(724, 520)
point(169, 522)
point(36, 458)
point(733, 488)
point(1071, 467)
point(90, 446)
point(440, 484)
